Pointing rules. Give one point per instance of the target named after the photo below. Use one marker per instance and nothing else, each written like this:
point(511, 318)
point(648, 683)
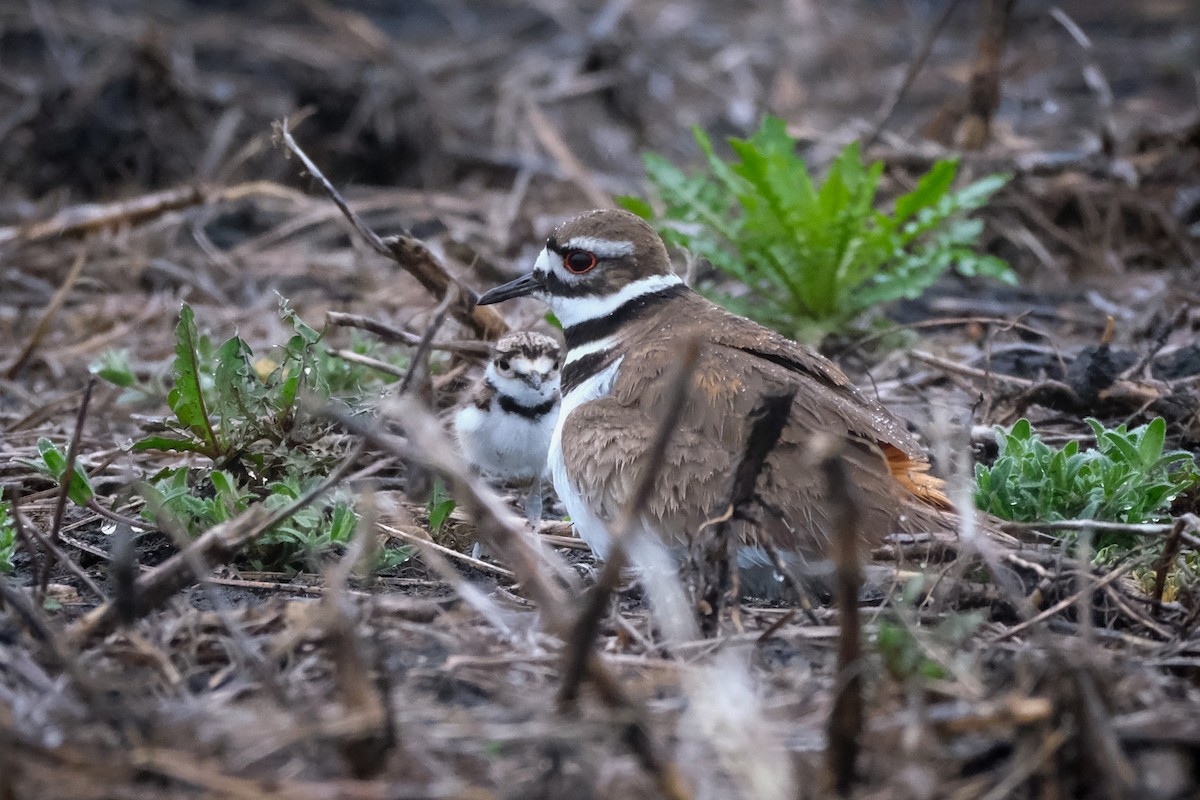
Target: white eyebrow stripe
point(603, 248)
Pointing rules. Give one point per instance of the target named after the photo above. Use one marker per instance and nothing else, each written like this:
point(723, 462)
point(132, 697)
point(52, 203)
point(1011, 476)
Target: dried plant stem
point(846, 716)
point(464, 347)
point(411, 254)
point(578, 654)
point(65, 481)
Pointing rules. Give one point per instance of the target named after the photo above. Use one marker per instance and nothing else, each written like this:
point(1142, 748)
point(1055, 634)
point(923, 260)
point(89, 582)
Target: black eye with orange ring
point(579, 261)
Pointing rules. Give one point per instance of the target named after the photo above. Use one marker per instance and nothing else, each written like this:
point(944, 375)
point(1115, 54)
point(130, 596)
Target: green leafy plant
point(8, 537)
point(1127, 477)
point(909, 656)
point(816, 255)
point(54, 464)
point(440, 505)
point(244, 415)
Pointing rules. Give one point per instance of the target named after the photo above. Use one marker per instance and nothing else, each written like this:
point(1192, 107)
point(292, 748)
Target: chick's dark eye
point(579, 261)
point(502, 364)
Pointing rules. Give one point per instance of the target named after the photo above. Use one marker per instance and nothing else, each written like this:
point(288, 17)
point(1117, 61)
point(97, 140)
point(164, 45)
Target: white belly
point(506, 446)
point(590, 527)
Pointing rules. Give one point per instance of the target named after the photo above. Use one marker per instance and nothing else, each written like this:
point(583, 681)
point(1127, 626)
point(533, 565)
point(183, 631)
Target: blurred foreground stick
point(90, 217)
point(539, 570)
point(846, 715)
point(410, 253)
point(217, 545)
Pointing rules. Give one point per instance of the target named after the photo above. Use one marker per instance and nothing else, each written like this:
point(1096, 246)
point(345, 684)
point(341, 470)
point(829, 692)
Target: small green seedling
point(440, 506)
point(245, 416)
point(906, 656)
point(54, 464)
point(8, 538)
point(1127, 477)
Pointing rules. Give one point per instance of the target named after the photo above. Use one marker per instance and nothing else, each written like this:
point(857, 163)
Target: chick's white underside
point(506, 446)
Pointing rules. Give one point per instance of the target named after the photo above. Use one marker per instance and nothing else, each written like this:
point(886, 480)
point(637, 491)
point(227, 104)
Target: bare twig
point(888, 107)
point(846, 715)
point(973, 372)
point(419, 356)
point(465, 347)
point(1063, 604)
point(364, 697)
point(1094, 77)
point(1100, 526)
point(716, 556)
point(54, 554)
point(65, 481)
point(79, 220)
point(424, 542)
point(1163, 565)
point(983, 95)
point(1100, 741)
point(579, 651)
point(24, 534)
point(1004, 325)
point(557, 147)
point(410, 253)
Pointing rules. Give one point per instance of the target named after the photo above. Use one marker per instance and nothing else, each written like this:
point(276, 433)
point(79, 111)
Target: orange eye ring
point(578, 262)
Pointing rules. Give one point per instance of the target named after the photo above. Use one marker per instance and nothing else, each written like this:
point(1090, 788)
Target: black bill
point(522, 286)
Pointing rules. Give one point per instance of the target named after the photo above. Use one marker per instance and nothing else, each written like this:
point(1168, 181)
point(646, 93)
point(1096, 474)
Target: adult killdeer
point(607, 277)
point(504, 428)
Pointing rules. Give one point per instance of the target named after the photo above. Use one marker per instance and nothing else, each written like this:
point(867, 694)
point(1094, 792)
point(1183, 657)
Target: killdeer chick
point(505, 427)
point(607, 277)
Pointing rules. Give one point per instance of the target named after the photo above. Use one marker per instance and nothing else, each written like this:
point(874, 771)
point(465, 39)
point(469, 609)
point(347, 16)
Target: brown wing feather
point(606, 439)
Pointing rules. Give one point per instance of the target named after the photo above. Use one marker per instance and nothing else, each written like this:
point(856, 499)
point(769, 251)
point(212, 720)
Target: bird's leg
point(533, 503)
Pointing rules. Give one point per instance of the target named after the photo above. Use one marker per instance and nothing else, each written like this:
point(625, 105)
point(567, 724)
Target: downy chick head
point(524, 367)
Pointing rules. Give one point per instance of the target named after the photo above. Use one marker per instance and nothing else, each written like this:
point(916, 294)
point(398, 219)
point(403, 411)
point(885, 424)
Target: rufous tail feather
point(913, 475)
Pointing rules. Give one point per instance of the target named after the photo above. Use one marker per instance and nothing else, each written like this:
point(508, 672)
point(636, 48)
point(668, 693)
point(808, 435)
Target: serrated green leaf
point(186, 398)
point(930, 189)
point(976, 194)
point(815, 255)
point(308, 334)
point(234, 381)
point(169, 444)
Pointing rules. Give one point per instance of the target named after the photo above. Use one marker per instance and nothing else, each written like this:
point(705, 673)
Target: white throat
point(522, 392)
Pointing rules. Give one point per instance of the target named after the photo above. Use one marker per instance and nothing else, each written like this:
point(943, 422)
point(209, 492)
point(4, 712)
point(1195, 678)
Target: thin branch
point(888, 107)
point(846, 715)
point(411, 254)
point(579, 653)
point(465, 347)
point(65, 481)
